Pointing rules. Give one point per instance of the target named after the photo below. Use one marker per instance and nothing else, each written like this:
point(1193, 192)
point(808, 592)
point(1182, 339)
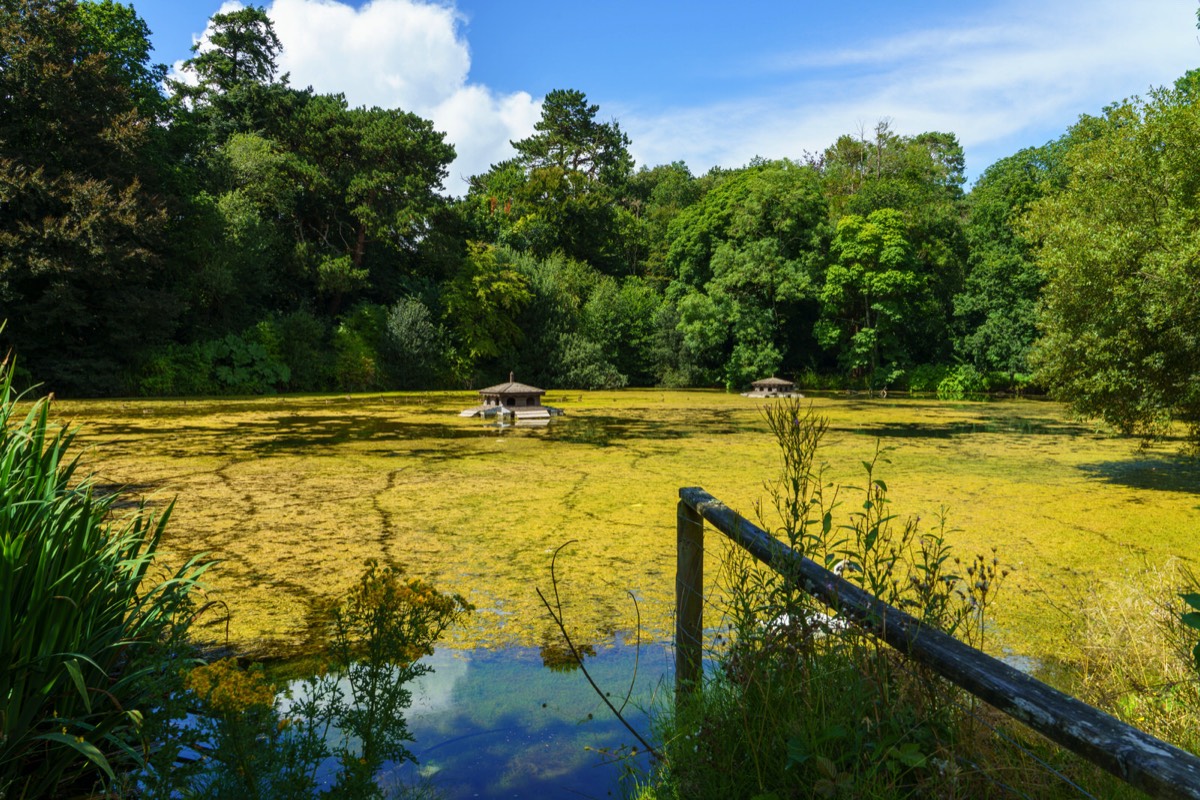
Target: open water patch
point(512, 723)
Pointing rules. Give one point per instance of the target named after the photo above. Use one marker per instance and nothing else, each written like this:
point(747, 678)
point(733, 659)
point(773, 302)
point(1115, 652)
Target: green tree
point(1118, 246)
point(116, 32)
point(562, 191)
point(81, 278)
point(656, 196)
point(568, 139)
point(242, 48)
point(754, 246)
point(921, 177)
point(619, 317)
point(483, 303)
point(872, 290)
point(997, 308)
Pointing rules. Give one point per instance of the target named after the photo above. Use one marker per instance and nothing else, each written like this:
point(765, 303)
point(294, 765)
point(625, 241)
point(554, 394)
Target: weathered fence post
point(689, 599)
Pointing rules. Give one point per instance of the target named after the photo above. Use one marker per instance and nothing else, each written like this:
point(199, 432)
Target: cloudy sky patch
point(718, 83)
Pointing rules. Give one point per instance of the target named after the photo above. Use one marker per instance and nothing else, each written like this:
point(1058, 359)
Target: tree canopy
point(232, 233)
point(1120, 249)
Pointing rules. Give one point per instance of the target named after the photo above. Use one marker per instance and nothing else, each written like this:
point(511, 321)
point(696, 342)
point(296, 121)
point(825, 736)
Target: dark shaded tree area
point(235, 234)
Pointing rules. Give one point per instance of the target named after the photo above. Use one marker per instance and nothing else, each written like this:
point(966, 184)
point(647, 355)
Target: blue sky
point(716, 83)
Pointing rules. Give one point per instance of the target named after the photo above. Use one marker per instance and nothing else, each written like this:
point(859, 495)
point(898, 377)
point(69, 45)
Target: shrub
point(585, 365)
point(356, 346)
point(962, 382)
point(244, 365)
point(300, 342)
point(88, 628)
point(927, 377)
point(177, 370)
point(415, 344)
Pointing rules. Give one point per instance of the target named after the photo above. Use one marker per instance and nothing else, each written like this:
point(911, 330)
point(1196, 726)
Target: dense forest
point(238, 235)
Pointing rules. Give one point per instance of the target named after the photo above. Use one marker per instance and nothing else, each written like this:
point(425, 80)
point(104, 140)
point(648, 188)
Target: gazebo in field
point(517, 401)
point(772, 387)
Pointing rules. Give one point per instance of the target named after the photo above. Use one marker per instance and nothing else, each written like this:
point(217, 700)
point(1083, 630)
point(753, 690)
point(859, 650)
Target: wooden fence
point(1155, 767)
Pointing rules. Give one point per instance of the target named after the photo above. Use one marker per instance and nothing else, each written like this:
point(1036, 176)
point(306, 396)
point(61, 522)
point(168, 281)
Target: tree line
point(235, 234)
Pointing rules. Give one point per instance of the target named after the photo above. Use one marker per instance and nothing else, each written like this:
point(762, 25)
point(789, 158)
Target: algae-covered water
point(294, 494)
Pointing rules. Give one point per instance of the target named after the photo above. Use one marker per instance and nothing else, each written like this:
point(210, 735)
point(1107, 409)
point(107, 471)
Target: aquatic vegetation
point(293, 494)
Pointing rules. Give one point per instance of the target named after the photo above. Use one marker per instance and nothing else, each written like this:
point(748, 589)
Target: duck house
point(772, 387)
point(512, 400)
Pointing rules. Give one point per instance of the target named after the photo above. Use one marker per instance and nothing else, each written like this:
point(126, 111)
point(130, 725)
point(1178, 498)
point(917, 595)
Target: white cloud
point(388, 53)
point(481, 124)
point(1005, 74)
point(1013, 76)
point(407, 54)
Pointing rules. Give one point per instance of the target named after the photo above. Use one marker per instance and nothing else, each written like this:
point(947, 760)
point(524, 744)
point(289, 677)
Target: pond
point(498, 723)
point(294, 494)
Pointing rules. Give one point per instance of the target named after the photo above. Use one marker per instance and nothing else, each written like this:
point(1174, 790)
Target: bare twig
point(556, 614)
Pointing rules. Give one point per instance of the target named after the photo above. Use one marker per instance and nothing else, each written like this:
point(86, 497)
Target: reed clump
point(1135, 652)
point(91, 627)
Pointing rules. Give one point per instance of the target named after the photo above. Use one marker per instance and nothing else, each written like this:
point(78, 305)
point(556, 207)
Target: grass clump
point(1137, 655)
point(803, 704)
point(89, 629)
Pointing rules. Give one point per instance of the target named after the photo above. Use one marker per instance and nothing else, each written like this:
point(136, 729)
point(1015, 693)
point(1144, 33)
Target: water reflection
point(558, 657)
point(509, 723)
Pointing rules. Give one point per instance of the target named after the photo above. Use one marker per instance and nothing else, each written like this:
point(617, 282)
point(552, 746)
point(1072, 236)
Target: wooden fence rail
point(1155, 767)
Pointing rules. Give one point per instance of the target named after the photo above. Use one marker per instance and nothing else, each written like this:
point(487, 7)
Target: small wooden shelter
point(517, 401)
point(772, 387)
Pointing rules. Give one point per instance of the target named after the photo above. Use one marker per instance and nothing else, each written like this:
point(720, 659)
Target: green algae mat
point(294, 494)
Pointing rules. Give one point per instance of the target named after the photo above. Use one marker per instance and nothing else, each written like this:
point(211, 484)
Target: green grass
point(294, 494)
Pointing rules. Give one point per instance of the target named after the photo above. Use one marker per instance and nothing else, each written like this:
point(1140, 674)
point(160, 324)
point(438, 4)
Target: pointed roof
point(773, 382)
point(512, 387)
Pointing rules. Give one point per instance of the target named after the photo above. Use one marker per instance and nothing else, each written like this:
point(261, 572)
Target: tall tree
point(921, 177)
point(753, 247)
point(115, 31)
point(872, 292)
point(81, 279)
point(1120, 248)
point(997, 309)
point(570, 140)
point(562, 191)
point(242, 48)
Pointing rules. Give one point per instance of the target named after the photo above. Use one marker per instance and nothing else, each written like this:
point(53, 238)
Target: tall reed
point(87, 620)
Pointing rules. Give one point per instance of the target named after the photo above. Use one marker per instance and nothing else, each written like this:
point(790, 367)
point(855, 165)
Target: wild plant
point(804, 698)
point(380, 632)
point(1191, 619)
point(91, 631)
